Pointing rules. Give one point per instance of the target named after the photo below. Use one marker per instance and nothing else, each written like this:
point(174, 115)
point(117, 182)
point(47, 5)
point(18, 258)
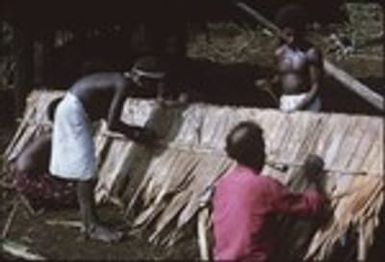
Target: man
point(299, 64)
point(31, 175)
point(94, 97)
point(245, 203)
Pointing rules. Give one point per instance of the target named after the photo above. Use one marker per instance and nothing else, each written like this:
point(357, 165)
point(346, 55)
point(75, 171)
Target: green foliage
point(366, 21)
point(232, 43)
point(6, 38)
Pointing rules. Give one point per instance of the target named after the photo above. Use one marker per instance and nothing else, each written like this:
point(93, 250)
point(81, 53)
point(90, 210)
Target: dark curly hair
point(293, 16)
point(246, 145)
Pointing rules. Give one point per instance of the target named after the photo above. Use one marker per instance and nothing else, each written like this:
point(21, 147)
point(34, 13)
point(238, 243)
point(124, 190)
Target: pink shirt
point(244, 205)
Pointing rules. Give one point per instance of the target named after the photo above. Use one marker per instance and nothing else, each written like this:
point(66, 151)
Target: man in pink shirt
point(246, 204)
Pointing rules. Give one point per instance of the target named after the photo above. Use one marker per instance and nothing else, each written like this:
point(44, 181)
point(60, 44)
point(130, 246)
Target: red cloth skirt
point(46, 191)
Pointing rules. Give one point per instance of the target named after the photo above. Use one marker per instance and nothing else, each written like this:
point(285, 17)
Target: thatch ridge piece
point(160, 187)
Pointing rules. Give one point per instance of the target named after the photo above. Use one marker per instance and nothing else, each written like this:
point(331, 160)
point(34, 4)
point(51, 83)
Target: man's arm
point(314, 58)
point(270, 82)
point(113, 120)
point(273, 77)
point(312, 201)
point(305, 204)
point(34, 157)
point(114, 123)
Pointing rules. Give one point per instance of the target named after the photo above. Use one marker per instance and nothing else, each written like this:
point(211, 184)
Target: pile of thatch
point(161, 187)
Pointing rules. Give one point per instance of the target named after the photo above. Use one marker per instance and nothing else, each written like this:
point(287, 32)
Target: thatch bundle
point(161, 187)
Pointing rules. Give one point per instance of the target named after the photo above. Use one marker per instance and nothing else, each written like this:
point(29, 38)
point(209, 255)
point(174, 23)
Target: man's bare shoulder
point(280, 50)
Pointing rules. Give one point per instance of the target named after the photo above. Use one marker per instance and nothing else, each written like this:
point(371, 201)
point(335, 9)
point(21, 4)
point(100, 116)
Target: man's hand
point(313, 169)
point(180, 101)
point(144, 136)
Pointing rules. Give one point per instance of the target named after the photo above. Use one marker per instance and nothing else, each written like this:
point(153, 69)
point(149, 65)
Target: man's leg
point(92, 225)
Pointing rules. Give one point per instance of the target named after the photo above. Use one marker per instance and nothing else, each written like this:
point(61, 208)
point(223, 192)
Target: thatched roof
point(161, 187)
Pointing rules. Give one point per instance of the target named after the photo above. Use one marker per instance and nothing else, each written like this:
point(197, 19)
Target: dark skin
point(299, 67)
point(103, 96)
point(34, 159)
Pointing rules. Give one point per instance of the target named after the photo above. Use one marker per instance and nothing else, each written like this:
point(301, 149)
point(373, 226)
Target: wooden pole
point(10, 219)
point(354, 85)
point(203, 243)
point(341, 76)
point(19, 250)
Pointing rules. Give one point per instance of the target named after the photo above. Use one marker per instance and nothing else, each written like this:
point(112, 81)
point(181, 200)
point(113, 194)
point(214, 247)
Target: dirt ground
point(57, 242)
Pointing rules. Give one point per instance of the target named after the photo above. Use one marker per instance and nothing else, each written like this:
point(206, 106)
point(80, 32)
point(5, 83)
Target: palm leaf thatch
point(160, 187)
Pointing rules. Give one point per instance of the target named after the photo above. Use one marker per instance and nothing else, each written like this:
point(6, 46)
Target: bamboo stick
point(28, 206)
point(65, 223)
point(204, 252)
point(5, 185)
point(341, 76)
point(10, 219)
point(20, 251)
point(354, 85)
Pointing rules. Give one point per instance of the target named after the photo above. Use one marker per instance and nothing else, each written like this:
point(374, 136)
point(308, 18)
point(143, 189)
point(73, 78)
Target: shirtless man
point(299, 65)
point(94, 97)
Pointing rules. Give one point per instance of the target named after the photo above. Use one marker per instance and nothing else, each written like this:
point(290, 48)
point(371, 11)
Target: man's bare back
point(97, 91)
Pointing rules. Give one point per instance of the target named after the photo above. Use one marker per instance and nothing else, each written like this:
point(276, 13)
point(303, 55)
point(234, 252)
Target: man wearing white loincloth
point(94, 97)
point(299, 63)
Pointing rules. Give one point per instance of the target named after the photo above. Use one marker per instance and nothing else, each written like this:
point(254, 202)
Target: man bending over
point(94, 97)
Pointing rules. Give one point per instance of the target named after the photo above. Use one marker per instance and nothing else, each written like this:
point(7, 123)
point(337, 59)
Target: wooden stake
point(10, 218)
point(204, 251)
point(18, 250)
point(65, 223)
point(28, 206)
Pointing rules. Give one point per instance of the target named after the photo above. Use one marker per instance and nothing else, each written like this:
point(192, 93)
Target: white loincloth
point(289, 102)
point(73, 149)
